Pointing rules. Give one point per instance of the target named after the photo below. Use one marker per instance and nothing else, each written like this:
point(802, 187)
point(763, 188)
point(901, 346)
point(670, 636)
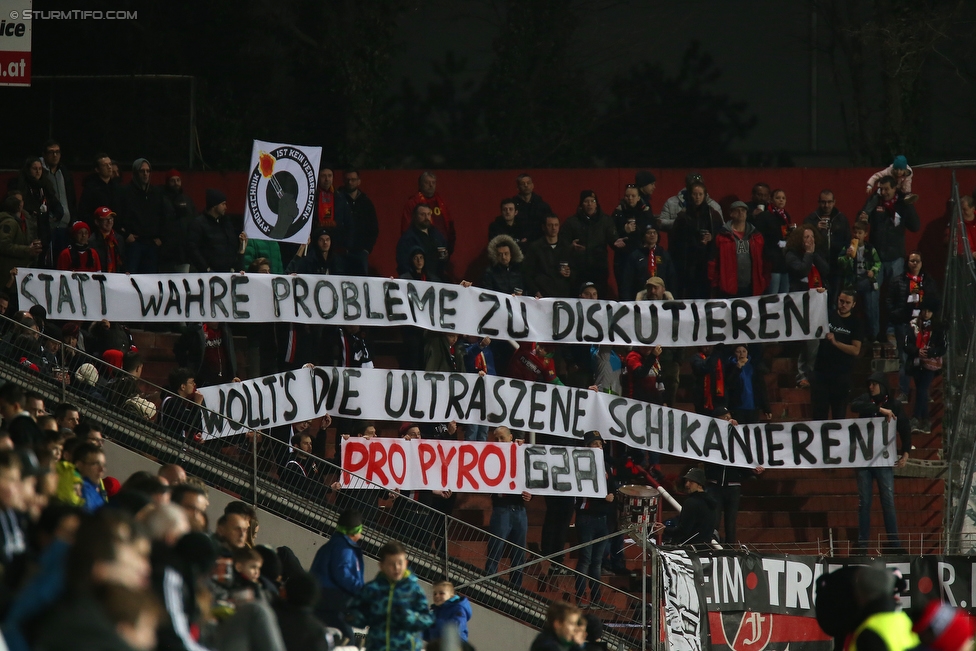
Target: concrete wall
point(487, 629)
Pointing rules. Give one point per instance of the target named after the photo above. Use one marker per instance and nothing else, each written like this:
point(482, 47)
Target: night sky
point(761, 46)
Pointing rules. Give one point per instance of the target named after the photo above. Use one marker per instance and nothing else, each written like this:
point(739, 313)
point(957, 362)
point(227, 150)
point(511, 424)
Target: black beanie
point(643, 178)
point(214, 198)
point(586, 194)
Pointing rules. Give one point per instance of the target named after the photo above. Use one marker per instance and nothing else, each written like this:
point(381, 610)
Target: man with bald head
point(509, 523)
point(173, 474)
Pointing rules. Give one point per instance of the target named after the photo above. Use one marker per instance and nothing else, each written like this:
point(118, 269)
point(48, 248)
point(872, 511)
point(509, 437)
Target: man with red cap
point(106, 242)
point(79, 256)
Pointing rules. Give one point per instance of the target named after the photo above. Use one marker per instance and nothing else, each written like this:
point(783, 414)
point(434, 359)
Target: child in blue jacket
point(392, 605)
point(448, 609)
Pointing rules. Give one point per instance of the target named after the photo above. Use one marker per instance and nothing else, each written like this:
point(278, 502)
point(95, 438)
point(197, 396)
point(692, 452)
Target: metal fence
point(263, 469)
point(959, 382)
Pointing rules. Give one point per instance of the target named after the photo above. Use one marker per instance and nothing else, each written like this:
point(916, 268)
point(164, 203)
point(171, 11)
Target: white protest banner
point(339, 300)
point(281, 191)
point(474, 467)
point(418, 396)
point(15, 42)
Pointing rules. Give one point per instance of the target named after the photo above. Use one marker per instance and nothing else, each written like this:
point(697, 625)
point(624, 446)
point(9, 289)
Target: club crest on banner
point(752, 632)
point(281, 191)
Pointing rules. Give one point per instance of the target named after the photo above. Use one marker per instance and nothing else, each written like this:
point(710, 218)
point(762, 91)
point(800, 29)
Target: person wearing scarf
point(649, 261)
point(79, 256)
point(925, 345)
point(106, 243)
point(776, 225)
point(806, 270)
point(41, 204)
point(905, 297)
point(630, 219)
point(890, 217)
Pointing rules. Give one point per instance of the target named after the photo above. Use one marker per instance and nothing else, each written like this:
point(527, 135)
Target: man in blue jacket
point(338, 568)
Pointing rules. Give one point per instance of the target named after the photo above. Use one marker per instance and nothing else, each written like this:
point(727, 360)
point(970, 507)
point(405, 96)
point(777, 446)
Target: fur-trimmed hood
point(504, 240)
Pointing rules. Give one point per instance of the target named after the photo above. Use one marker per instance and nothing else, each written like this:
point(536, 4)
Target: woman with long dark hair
point(41, 203)
point(692, 243)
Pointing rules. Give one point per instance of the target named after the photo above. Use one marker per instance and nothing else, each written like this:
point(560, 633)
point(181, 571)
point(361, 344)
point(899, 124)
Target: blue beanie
point(901, 163)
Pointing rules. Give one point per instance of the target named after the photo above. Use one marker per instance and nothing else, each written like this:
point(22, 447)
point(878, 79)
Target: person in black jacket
point(318, 256)
point(725, 484)
point(695, 524)
point(806, 270)
point(925, 345)
point(142, 212)
point(889, 217)
point(550, 267)
point(907, 292)
point(631, 218)
point(532, 209)
point(877, 402)
point(215, 243)
point(300, 629)
point(207, 349)
point(505, 273)
point(649, 261)
point(692, 242)
point(174, 231)
point(100, 188)
point(508, 223)
point(362, 228)
point(593, 523)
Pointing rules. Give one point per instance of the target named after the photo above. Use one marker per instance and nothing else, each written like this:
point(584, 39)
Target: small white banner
point(474, 467)
point(280, 201)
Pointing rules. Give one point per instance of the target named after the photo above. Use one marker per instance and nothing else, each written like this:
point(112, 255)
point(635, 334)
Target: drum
point(639, 503)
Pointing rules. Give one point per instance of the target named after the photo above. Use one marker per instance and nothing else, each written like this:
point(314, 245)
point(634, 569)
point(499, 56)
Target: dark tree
point(879, 51)
point(656, 120)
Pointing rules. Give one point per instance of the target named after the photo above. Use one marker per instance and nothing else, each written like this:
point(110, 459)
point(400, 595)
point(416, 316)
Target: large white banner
point(474, 467)
point(418, 396)
point(339, 300)
point(280, 201)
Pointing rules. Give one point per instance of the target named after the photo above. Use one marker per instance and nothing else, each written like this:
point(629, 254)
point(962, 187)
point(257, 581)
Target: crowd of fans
point(880, 298)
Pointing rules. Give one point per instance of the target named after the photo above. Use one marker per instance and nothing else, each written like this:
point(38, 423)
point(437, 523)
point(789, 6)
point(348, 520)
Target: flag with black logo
point(281, 191)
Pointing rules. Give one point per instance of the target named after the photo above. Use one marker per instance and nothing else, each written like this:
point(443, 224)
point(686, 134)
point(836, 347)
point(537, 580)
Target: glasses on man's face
point(916, 261)
point(54, 152)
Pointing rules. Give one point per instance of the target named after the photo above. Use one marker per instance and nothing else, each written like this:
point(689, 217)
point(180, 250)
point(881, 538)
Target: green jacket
point(263, 249)
point(848, 266)
point(396, 613)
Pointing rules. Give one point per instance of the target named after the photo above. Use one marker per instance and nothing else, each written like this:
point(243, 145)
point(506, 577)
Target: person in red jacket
point(79, 256)
point(736, 269)
point(531, 362)
point(441, 218)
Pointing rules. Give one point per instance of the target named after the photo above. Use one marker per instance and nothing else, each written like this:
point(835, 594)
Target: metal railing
point(959, 382)
point(255, 467)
